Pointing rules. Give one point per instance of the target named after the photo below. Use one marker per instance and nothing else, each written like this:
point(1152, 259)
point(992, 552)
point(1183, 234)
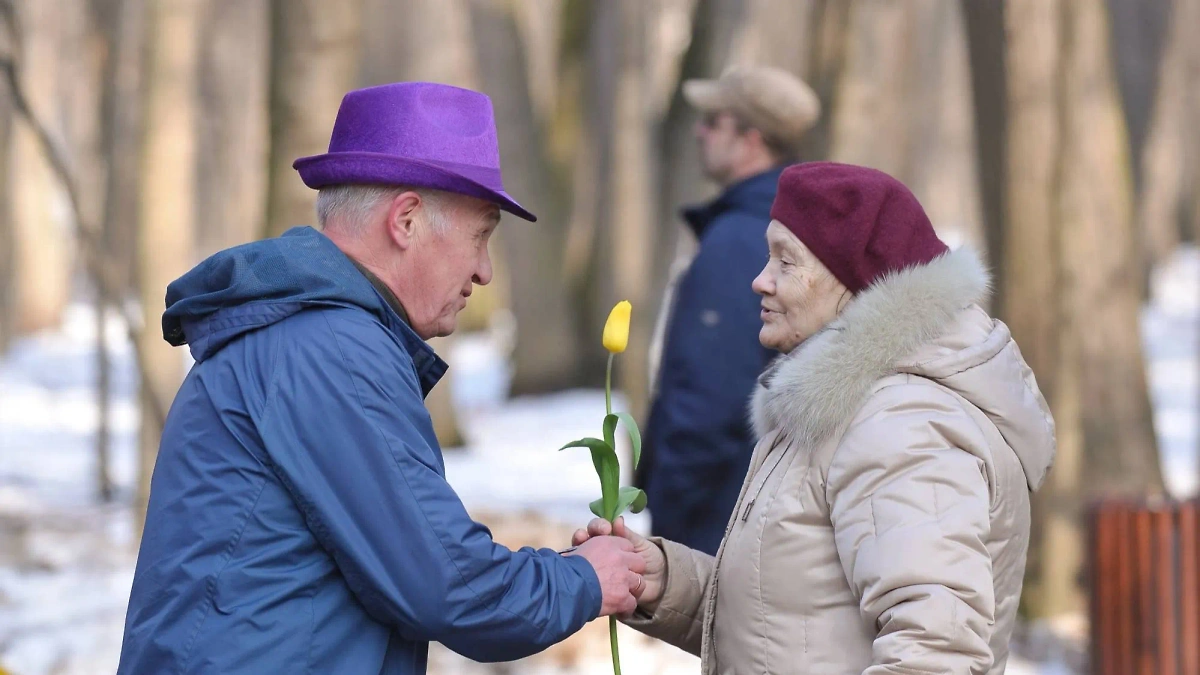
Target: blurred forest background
point(1062, 137)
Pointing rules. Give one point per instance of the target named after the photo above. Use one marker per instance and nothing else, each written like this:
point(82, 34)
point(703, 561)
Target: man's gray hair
point(351, 205)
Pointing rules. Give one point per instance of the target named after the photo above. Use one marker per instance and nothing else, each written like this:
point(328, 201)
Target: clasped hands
point(631, 568)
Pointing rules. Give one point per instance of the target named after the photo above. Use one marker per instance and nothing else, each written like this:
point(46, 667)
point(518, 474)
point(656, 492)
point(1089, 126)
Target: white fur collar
point(816, 389)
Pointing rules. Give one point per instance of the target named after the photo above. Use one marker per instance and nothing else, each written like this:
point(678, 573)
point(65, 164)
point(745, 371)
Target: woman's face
point(799, 294)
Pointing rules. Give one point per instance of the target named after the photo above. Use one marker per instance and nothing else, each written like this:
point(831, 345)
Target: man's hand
point(654, 562)
point(619, 569)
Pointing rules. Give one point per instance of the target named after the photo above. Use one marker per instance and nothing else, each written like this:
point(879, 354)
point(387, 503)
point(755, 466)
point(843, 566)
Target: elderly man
point(299, 518)
point(698, 440)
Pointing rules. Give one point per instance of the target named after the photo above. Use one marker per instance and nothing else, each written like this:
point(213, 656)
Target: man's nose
point(484, 275)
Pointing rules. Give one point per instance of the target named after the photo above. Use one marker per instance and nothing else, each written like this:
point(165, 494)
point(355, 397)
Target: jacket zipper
point(763, 483)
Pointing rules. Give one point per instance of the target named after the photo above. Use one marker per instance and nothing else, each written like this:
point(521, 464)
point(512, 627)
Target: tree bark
point(395, 45)
point(234, 71)
point(1102, 266)
point(1164, 159)
point(984, 22)
point(903, 107)
point(545, 355)
point(107, 16)
point(166, 226)
point(123, 113)
point(314, 62)
point(7, 234)
point(42, 245)
point(632, 197)
point(1031, 275)
point(1071, 286)
point(1138, 34)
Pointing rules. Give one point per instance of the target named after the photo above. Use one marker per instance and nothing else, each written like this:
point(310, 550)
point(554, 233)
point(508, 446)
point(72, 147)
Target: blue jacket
point(300, 520)
point(698, 438)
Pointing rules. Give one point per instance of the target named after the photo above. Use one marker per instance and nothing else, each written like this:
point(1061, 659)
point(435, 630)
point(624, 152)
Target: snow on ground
point(66, 562)
point(1171, 334)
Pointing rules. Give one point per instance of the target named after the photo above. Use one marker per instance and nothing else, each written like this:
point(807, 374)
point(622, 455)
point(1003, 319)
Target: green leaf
point(608, 469)
point(632, 499)
point(635, 436)
point(597, 507)
point(598, 448)
point(610, 430)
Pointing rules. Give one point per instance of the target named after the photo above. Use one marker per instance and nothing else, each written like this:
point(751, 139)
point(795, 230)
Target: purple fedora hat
point(414, 133)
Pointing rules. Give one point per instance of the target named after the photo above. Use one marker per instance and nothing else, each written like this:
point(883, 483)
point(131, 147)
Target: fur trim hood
point(923, 320)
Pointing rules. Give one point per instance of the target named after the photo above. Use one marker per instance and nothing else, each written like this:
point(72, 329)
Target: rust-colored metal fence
point(1145, 588)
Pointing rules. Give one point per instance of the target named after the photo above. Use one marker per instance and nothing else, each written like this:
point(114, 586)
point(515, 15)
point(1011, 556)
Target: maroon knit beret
point(861, 223)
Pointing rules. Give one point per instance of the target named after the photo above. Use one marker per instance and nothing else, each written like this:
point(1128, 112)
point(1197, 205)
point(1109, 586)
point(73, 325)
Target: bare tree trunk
point(1102, 266)
point(234, 69)
point(396, 44)
point(42, 243)
point(633, 198)
point(104, 13)
point(903, 107)
point(941, 170)
point(1164, 160)
point(826, 67)
point(778, 33)
point(984, 22)
point(123, 112)
point(1189, 10)
point(1071, 277)
point(104, 485)
point(1138, 34)
point(871, 94)
point(314, 62)
point(546, 352)
point(166, 224)
point(7, 234)
point(1031, 275)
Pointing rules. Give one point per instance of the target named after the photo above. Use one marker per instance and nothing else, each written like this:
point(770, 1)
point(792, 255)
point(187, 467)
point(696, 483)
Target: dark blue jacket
point(698, 438)
point(300, 520)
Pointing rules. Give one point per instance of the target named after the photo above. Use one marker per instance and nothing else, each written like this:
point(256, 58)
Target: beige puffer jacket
point(884, 522)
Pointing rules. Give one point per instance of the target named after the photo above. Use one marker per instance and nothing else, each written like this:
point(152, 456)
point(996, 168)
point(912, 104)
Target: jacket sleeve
point(910, 510)
point(699, 425)
point(678, 616)
point(345, 426)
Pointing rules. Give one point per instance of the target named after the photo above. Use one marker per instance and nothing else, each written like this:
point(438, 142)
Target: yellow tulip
point(616, 329)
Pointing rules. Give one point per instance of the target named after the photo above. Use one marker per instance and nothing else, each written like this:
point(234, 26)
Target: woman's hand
point(656, 562)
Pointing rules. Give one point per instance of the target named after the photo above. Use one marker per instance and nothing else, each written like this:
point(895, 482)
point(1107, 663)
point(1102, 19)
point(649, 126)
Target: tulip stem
point(612, 638)
point(608, 387)
point(612, 620)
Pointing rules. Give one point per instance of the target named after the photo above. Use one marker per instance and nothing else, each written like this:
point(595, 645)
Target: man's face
point(720, 142)
point(447, 264)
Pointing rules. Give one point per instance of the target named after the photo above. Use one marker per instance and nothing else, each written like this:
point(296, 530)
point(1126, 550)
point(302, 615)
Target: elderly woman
point(883, 525)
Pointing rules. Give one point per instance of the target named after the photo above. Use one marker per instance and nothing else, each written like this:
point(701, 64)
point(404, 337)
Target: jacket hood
point(254, 285)
point(752, 195)
point(925, 321)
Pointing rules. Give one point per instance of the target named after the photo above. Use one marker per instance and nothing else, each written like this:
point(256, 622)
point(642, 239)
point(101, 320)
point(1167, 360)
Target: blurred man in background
point(698, 440)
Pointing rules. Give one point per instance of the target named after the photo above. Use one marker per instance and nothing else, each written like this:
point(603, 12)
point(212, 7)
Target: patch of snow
point(1171, 335)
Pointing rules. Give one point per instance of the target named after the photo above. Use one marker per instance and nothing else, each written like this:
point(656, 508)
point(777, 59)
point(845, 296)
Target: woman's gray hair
point(351, 205)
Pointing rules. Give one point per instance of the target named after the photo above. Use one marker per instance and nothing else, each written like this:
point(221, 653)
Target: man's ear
point(401, 218)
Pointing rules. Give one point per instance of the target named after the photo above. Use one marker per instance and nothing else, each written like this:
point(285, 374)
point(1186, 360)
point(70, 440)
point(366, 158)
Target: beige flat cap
point(777, 103)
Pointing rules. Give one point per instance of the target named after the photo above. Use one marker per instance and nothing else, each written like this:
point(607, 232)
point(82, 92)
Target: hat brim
point(704, 95)
point(349, 168)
